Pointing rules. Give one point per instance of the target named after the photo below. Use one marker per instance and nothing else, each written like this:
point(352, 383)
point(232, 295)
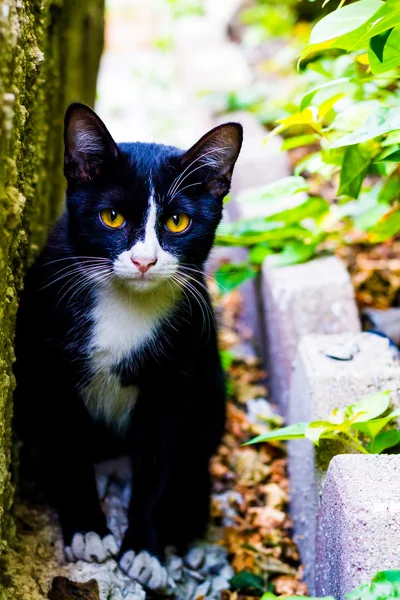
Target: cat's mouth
point(136, 280)
point(144, 272)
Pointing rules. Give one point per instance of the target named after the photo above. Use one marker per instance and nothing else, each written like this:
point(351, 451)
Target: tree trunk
point(49, 56)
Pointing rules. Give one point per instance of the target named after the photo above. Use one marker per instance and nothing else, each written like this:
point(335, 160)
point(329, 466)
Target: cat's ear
point(89, 147)
point(213, 157)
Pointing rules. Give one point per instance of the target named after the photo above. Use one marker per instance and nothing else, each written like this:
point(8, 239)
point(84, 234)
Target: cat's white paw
point(90, 547)
point(147, 570)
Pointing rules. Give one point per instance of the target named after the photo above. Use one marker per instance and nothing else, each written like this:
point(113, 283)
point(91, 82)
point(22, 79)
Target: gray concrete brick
point(358, 523)
point(315, 297)
point(320, 384)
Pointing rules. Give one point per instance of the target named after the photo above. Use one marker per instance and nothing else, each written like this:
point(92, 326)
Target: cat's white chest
point(122, 325)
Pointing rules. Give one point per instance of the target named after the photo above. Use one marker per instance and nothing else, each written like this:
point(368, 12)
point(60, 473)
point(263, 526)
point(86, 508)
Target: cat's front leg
point(155, 436)
point(68, 452)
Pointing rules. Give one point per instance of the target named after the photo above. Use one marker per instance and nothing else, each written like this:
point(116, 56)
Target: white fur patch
point(122, 323)
point(126, 316)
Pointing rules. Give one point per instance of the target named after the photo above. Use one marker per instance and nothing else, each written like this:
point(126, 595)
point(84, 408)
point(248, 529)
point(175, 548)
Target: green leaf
point(355, 166)
point(312, 208)
point(292, 254)
point(390, 189)
point(378, 123)
point(343, 21)
point(298, 140)
point(308, 97)
point(368, 408)
point(373, 427)
point(281, 188)
point(354, 116)
point(248, 232)
point(391, 153)
point(307, 117)
point(258, 253)
point(385, 440)
point(392, 138)
point(369, 218)
point(291, 432)
point(230, 276)
point(387, 227)
point(384, 586)
point(318, 428)
point(386, 17)
point(245, 580)
point(384, 51)
point(227, 359)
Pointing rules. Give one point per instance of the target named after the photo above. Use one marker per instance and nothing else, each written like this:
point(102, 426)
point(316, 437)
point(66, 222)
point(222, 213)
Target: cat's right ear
point(89, 147)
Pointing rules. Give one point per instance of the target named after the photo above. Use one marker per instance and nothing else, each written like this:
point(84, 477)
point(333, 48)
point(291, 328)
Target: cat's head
point(148, 211)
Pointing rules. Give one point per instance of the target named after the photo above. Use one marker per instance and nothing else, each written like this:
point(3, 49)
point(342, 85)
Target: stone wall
point(49, 56)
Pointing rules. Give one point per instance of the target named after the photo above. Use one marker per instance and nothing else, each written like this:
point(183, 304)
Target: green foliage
point(288, 233)
point(344, 107)
point(248, 582)
point(384, 586)
point(367, 417)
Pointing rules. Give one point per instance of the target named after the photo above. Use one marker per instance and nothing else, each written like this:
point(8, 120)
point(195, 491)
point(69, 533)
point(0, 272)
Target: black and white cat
point(116, 342)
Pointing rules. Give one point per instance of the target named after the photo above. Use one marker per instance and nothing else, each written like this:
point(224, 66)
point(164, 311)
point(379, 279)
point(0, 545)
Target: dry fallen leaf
point(258, 536)
point(288, 585)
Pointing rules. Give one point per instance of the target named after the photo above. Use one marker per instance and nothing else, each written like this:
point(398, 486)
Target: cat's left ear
point(89, 147)
point(213, 157)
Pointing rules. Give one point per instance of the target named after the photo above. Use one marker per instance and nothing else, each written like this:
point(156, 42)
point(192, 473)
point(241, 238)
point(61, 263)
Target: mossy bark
point(49, 56)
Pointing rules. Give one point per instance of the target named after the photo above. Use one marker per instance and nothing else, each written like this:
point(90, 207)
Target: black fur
point(178, 420)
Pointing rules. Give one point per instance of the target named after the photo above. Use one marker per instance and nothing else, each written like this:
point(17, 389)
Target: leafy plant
point(344, 110)
point(384, 586)
point(360, 426)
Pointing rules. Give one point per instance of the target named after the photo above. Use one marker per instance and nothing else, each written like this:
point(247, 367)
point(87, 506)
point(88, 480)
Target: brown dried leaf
point(288, 585)
point(267, 518)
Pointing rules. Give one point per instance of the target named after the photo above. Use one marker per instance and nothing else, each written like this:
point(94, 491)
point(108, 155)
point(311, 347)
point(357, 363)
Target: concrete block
point(320, 384)
point(315, 297)
point(358, 522)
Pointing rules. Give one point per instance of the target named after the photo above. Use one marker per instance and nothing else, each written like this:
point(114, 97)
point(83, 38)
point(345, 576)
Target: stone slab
point(315, 297)
point(358, 523)
point(320, 384)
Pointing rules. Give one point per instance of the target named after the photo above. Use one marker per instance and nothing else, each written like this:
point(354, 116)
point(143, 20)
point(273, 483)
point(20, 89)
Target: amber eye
point(112, 218)
point(177, 223)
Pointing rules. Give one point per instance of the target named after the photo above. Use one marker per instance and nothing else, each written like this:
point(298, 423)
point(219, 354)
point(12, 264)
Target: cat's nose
point(143, 264)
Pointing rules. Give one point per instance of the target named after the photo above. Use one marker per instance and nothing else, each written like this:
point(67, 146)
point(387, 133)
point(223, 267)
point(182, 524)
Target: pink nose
point(143, 264)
